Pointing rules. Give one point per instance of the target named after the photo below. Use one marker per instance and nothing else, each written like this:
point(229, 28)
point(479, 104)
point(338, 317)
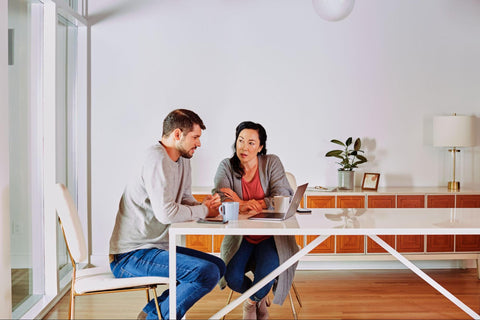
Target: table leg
point(424, 276)
point(172, 276)
point(272, 275)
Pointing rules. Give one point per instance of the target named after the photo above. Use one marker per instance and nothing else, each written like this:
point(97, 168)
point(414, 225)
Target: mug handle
point(221, 209)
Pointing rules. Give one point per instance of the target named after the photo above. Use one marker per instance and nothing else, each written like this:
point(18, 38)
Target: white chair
point(291, 180)
point(94, 280)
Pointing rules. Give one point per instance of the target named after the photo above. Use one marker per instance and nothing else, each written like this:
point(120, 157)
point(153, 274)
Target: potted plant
point(350, 159)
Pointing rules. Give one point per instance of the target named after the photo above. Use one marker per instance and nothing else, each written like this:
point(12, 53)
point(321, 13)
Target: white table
point(327, 222)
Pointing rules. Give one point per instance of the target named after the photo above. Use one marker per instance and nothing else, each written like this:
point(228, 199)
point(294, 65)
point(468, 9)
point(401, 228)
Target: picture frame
point(370, 181)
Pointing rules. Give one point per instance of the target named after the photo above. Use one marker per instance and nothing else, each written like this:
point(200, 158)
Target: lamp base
point(453, 185)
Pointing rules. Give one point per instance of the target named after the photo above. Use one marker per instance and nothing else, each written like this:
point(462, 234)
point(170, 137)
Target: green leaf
point(349, 141)
point(333, 153)
point(361, 158)
point(338, 142)
point(357, 144)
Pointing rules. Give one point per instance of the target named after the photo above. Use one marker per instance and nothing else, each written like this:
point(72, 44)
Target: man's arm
point(162, 185)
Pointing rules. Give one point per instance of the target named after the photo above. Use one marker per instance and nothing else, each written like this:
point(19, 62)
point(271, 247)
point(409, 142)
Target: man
point(159, 196)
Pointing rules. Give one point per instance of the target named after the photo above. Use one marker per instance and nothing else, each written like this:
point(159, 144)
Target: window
point(47, 75)
point(25, 23)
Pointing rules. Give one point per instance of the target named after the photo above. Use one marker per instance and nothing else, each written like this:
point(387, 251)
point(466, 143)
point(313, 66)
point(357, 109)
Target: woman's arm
point(273, 176)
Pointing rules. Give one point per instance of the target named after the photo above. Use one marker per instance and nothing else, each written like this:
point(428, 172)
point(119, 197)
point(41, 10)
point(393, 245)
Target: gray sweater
point(274, 182)
point(160, 195)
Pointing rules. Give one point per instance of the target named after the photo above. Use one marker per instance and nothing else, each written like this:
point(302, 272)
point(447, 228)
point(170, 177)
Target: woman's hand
point(250, 205)
point(246, 207)
point(230, 194)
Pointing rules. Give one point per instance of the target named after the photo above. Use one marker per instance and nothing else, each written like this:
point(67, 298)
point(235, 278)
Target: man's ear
point(177, 134)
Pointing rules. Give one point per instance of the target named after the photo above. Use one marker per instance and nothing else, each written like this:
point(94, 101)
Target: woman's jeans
point(265, 257)
point(197, 275)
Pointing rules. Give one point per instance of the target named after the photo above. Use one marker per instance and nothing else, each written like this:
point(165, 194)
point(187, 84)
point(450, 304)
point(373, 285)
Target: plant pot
point(346, 180)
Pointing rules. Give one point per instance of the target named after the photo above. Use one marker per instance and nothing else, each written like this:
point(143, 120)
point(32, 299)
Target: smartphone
point(302, 210)
point(211, 220)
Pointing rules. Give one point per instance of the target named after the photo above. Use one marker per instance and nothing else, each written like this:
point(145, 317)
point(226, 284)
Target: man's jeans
point(265, 257)
point(197, 275)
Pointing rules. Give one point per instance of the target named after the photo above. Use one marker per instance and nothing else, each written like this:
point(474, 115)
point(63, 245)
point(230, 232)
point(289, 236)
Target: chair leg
point(148, 295)
point(228, 300)
point(293, 306)
point(297, 295)
point(154, 289)
point(71, 307)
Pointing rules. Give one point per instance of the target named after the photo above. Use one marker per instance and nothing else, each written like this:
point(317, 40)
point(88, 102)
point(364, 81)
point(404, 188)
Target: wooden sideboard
point(382, 198)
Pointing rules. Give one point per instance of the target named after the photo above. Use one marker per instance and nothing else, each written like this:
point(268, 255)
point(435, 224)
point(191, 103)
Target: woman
point(253, 178)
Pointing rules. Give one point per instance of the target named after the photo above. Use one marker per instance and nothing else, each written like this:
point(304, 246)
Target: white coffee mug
point(229, 210)
point(281, 203)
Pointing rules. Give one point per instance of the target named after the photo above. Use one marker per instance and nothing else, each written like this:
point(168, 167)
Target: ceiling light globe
point(333, 10)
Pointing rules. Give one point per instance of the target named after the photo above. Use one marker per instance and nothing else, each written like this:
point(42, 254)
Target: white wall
point(381, 74)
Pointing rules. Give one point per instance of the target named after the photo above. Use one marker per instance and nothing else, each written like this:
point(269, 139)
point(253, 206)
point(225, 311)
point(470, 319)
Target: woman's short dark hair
point(262, 135)
point(183, 119)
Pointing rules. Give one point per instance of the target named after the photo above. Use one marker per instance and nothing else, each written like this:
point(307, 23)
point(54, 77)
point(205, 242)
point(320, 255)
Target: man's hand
point(212, 203)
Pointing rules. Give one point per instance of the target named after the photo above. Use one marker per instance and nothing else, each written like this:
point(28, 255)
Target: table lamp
point(453, 132)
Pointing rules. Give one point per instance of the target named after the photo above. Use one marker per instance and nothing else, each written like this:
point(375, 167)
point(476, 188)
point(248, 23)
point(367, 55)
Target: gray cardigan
point(274, 182)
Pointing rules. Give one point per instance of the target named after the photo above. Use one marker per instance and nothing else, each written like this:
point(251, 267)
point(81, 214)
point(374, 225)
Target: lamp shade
point(453, 131)
point(333, 10)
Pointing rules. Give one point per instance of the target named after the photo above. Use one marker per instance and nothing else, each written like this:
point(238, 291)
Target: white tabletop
point(325, 222)
point(351, 222)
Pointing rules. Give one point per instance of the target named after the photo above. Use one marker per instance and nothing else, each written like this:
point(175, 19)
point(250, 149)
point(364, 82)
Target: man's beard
point(183, 152)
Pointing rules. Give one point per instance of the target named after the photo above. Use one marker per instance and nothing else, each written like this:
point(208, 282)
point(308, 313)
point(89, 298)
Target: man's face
point(189, 142)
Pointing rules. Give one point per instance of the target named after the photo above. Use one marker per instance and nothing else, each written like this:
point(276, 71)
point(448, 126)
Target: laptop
point(292, 208)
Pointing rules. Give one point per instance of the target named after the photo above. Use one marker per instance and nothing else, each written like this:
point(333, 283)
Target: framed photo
point(370, 181)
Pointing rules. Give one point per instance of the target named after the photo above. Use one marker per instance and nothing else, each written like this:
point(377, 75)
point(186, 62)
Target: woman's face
point(248, 145)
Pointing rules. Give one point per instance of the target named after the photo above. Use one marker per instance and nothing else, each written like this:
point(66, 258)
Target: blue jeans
point(264, 255)
point(197, 275)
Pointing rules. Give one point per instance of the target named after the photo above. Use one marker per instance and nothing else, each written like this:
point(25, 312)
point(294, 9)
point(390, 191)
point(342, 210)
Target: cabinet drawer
point(350, 244)
point(199, 242)
point(441, 201)
point(350, 202)
point(373, 247)
point(321, 202)
point(411, 201)
point(466, 243)
point(387, 201)
point(410, 243)
point(468, 201)
point(441, 243)
point(327, 246)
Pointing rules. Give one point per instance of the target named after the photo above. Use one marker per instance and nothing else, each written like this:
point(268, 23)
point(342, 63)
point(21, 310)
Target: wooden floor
point(21, 285)
point(359, 294)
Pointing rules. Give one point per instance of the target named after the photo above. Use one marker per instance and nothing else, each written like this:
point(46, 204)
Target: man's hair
point(183, 119)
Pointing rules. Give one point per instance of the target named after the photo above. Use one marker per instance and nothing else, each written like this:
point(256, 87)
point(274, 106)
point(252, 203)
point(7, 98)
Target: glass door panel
point(25, 24)
point(66, 138)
